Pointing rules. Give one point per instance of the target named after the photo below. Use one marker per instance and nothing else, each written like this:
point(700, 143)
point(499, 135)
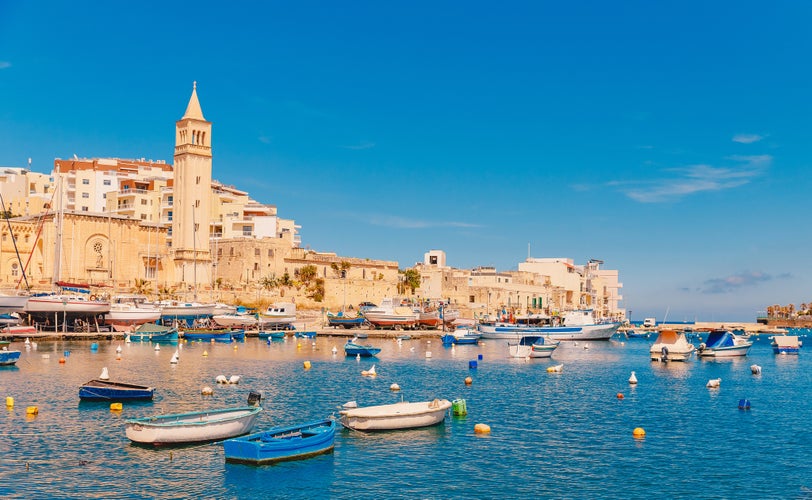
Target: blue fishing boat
point(306, 335)
point(722, 343)
point(281, 444)
point(155, 333)
point(9, 357)
point(345, 321)
point(276, 335)
point(206, 335)
point(352, 348)
point(99, 390)
point(461, 335)
point(238, 335)
point(786, 344)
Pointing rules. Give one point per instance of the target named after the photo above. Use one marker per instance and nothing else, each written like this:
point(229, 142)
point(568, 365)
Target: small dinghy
point(281, 444)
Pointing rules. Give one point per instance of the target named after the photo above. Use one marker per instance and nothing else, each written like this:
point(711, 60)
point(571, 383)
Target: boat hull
point(12, 303)
point(100, 390)
point(725, 352)
point(508, 331)
point(282, 444)
point(8, 358)
point(365, 351)
point(396, 416)
point(194, 427)
point(49, 305)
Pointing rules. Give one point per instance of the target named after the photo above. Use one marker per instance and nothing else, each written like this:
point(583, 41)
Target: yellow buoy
point(307, 365)
point(639, 432)
point(32, 410)
point(9, 402)
point(482, 429)
point(235, 347)
point(468, 380)
point(205, 353)
point(116, 406)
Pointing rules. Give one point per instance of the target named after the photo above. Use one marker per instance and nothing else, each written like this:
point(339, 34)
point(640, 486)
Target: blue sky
point(669, 139)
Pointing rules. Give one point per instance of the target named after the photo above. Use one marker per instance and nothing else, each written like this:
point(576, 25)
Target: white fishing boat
point(237, 320)
point(532, 346)
point(123, 314)
point(724, 344)
point(577, 325)
point(391, 315)
point(283, 313)
point(74, 304)
point(11, 302)
point(192, 427)
point(671, 345)
point(401, 415)
point(173, 309)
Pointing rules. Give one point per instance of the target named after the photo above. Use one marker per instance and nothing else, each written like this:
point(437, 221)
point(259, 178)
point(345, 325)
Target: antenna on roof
point(75, 157)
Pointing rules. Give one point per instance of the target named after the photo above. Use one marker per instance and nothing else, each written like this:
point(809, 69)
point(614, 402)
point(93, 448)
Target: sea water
point(553, 435)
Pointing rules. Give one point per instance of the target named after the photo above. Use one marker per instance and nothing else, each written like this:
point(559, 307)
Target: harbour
point(567, 434)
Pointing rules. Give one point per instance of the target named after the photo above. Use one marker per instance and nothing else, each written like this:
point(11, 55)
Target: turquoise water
point(562, 435)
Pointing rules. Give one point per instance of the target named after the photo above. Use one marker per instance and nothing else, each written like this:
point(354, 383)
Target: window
point(256, 266)
point(144, 202)
point(471, 299)
point(106, 182)
point(246, 231)
point(143, 216)
point(85, 209)
point(270, 252)
point(14, 269)
point(231, 252)
point(256, 252)
point(85, 195)
point(85, 181)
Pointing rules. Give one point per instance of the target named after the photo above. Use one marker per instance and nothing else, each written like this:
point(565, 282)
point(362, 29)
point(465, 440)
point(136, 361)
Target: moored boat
point(671, 345)
point(295, 442)
point(724, 344)
point(461, 335)
point(352, 348)
point(401, 415)
point(532, 346)
point(98, 390)
point(273, 335)
point(578, 325)
point(216, 335)
point(786, 344)
point(154, 332)
point(280, 315)
point(9, 357)
point(192, 427)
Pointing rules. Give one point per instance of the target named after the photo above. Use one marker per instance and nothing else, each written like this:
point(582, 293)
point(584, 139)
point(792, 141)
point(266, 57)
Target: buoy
point(104, 375)
point(207, 391)
point(555, 369)
point(428, 354)
point(586, 346)
point(755, 369)
point(221, 379)
point(118, 357)
point(94, 346)
point(458, 407)
point(174, 359)
point(205, 353)
point(370, 373)
point(157, 347)
point(469, 381)
point(61, 361)
point(234, 379)
point(639, 432)
point(620, 395)
point(335, 350)
point(46, 356)
point(235, 347)
point(127, 339)
point(307, 365)
point(713, 383)
point(472, 365)
point(116, 406)
point(482, 429)
point(357, 357)
point(9, 402)
point(32, 410)
point(212, 341)
point(394, 387)
point(66, 353)
point(479, 357)
point(27, 341)
point(744, 404)
point(633, 379)
point(118, 349)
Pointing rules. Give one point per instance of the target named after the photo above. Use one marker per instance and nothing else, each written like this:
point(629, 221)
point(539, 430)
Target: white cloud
point(699, 178)
point(747, 138)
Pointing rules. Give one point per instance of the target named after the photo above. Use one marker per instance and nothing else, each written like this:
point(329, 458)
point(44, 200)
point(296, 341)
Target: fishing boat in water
point(295, 442)
point(192, 427)
point(532, 346)
point(461, 335)
point(671, 345)
point(99, 390)
point(9, 357)
point(216, 335)
point(153, 332)
point(724, 344)
point(577, 325)
point(352, 348)
point(786, 344)
point(401, 415)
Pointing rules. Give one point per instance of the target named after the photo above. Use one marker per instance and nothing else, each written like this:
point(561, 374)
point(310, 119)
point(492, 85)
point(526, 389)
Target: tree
point(410, 280)
point(269, 282)
point(141, 287)
point(308, 273)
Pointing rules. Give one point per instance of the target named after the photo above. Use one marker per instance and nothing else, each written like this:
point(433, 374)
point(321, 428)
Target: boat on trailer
point(295, 442)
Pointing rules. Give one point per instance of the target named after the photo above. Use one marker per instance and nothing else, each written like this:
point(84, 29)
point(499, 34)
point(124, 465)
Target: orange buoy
point(482, 429)
point(469, 381)
point(61, 361)
point(639, 432)
point(620, 395)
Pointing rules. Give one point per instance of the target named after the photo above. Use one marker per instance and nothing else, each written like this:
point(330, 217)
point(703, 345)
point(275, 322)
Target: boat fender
point(93, 298)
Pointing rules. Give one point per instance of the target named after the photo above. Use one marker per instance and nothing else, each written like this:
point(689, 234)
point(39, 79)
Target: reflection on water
point(559, 435)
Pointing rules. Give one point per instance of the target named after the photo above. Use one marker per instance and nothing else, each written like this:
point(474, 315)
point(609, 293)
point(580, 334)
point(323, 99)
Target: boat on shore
point(100, 390)
point(280, 315)
point(13, 302)
point(45, 306)
point(9, 357)
point(401, 415)
point(352, 348)
point(532, 346)
point(671, 345)
point(577, 325)
point(390, 315)
point(724, 344)
point(124, 314)
point(192, 427)
point(344, 321)
point(280, 444)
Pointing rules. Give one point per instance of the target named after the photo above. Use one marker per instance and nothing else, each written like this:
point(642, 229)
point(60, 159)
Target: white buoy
point(335, 349)
point(633, 379)
point(174, 359)
point(27, 341)
point(235, 379)
point(713, 383)
point(104, 375)
point(411, 349)
point(755, 369)
point(127, 340)
point(357, 357)
point(428, 354)
point(118, 349)
point(394, 387)
point(221, 379)
point(157, 347)
point(372, 371)
point(586, 346)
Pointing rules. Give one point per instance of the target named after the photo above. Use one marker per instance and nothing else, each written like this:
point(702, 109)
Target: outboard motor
point(665, 353)
point(254, 398)
point(702, 346)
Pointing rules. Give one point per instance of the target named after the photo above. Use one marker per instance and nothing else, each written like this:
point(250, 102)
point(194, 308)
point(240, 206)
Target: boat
point(12, 302)
point(390, 315)
point(634, 334)
point(280, 444)
point(10, 319)
point(724, 344)
point(671, 345)
point(279, 315)
point(124, 314)
point(577, 325)
point(184, 313)
point(8, 357)
point(461, 335)
point(209, 335)
point(340, 319)
point(401, 415)
point(352, 348)
point(274, 335)
point(18, 330)
point(532, 346)
point(98, 389)
point(649, 322)
point(70, 304)
point(786, 344)
point(192, 427)
point(154, 332)
point(243, 320)
point(309, 334)
point(428, 318)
